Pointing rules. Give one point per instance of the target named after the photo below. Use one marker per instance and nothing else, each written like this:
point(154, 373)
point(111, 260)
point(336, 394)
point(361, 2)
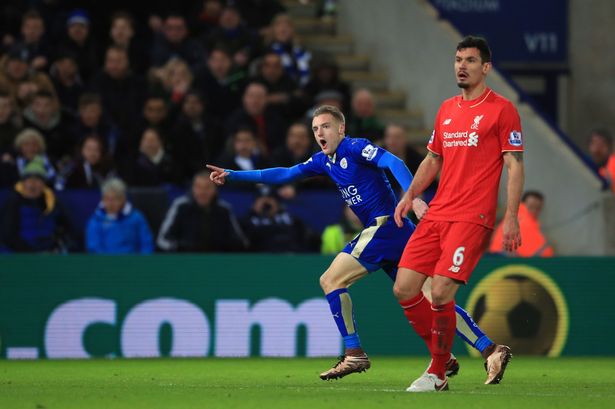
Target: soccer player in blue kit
point(357, 167)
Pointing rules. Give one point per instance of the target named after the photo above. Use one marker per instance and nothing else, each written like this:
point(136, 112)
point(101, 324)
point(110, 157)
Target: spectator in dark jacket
point(116, 227)
point(80, 42)
point(268, 126)
point(200, 222)
point(154, 166)
point(199, 137)
point(89, 169)
point(122, 94)
point(174, 41)
point(271, 229)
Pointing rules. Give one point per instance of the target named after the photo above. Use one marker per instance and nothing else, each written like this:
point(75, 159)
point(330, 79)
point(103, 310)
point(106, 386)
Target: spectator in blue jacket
point(116, 227)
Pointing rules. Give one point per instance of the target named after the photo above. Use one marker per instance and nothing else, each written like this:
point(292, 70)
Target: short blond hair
point(331, 110)
point(30, 134)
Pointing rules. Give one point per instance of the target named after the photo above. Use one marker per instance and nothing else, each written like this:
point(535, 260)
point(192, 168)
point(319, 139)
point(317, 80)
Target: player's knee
point(440, 296)
point(403, 292)
point(326, 283)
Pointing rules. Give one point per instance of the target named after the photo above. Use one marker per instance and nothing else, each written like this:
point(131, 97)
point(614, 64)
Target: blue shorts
point(381, 244)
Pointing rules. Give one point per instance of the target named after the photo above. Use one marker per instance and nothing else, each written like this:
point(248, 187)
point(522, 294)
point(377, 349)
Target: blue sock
point(343, 314)
point(471, 332)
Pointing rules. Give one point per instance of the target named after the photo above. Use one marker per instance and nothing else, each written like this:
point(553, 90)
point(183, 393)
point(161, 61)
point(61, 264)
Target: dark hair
point(533, 193)
point(244, 128)
point(31, 14)
point(476, 42)
point(604, 134)
point(124, 15)
point(89, 98)
point(331, 110)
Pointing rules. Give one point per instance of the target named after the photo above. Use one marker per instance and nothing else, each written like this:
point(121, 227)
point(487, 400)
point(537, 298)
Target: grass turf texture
point(294, 383)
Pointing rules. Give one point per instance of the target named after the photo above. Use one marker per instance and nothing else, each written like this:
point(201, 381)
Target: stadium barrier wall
point(81, 306)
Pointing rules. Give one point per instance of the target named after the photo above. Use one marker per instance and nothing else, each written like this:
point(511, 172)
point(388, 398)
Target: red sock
point(418, 312)
point(442, 334)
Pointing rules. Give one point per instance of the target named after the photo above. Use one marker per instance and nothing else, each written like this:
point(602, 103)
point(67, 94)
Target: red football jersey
point(471, 137)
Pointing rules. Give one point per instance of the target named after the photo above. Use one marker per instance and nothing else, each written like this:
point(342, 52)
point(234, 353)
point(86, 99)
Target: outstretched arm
point(514, 189)
point(269, 176)
point(425, 174)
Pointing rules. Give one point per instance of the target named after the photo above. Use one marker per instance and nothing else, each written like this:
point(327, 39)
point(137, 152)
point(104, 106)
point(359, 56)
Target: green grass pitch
point(294, 384)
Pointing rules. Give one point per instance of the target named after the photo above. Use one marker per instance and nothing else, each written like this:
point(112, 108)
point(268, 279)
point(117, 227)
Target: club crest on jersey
point(343, 163)
point(433, 133)
point(369, 152)
point(515, 138)
point(477, 120)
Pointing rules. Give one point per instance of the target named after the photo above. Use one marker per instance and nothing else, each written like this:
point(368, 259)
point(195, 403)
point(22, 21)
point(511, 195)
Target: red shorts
point(450, 249)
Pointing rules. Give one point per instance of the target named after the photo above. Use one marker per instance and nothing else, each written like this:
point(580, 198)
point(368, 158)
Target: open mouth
point(323, 143)
point(462, 75)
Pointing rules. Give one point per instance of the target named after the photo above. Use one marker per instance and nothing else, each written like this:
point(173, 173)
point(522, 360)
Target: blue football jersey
point(353, 167)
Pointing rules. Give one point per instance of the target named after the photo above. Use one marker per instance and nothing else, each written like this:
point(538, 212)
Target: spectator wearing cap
point(116, 227)
point(79, 42)
point(30, 147)
point(600, 146)
point(18, 80)
point(33, 220)
point(174, 42)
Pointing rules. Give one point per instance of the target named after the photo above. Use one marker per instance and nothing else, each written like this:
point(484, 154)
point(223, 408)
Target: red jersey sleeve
point(510, 135)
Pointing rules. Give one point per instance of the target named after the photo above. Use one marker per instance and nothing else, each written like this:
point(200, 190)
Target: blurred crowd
point(114, 97)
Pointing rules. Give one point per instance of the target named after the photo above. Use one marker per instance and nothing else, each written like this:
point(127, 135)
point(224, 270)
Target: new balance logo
point(447, 121)
point(454, 269)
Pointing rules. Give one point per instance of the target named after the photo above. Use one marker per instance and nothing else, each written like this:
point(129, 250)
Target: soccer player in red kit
point(475, 134)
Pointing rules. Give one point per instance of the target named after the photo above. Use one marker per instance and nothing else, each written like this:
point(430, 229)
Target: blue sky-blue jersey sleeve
point(397, 167)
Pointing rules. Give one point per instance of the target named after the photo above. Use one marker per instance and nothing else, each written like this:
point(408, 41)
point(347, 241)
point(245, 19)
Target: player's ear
point(342, 129)
point(486, 68)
